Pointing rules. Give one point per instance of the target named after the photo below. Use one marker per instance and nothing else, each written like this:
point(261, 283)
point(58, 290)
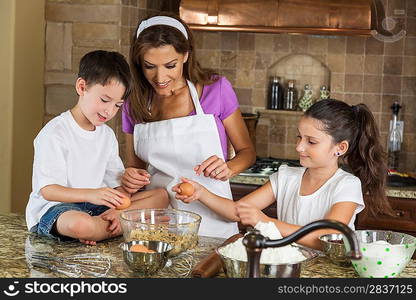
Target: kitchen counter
point(17, 243)
point(399, 192)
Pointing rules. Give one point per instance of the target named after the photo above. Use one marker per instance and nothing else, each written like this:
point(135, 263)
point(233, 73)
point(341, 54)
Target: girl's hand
point(250, 215)
point(198, 190)
point(214, 167)
point(104, 196)
point(134, 179)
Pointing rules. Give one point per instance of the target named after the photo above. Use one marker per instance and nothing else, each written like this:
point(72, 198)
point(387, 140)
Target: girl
point(330, 130)
point(179, 118)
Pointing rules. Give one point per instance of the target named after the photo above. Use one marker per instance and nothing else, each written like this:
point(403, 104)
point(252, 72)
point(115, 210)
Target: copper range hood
point(327, 17)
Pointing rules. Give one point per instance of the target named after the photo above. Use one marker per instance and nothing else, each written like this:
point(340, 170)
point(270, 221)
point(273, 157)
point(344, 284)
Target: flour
point(273, 256)
point(381, 242)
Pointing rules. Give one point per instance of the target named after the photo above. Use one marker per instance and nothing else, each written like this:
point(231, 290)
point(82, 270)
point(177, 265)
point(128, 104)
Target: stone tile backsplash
point(358, 69)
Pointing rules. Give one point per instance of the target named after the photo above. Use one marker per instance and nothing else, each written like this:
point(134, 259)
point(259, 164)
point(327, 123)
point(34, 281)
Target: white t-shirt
point(301, 210)
point(70, 156)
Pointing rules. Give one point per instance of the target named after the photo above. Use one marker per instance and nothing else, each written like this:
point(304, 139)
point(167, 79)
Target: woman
point(178, 120)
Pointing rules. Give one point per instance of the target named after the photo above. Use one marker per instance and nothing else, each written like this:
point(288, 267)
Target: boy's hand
point(104, 196)
point(250, 215)
point(215, 168)
point(198, 191)
point(113, 216)
point(134, 179)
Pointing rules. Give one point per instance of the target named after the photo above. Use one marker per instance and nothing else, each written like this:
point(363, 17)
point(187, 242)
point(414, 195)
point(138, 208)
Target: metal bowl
point(146, 263)
point(234, 268)
point(334, 248)
point(173, 226)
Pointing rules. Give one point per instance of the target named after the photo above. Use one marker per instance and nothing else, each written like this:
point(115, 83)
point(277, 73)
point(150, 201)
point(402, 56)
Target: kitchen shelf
point(279, 112)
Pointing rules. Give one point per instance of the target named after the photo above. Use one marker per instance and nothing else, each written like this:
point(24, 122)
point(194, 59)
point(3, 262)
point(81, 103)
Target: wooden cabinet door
point(404, 221)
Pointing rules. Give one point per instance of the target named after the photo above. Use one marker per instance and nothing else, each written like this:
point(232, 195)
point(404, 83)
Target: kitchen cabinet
point(404, 221)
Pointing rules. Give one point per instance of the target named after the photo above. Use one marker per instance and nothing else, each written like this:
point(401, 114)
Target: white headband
point(162, 20)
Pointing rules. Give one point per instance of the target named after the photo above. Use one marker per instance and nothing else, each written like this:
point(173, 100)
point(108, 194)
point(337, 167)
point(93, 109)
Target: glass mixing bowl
point(384, 253)
point(176, 227)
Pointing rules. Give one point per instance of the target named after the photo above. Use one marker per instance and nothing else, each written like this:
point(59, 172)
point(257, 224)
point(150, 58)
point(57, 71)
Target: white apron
point(172, 148)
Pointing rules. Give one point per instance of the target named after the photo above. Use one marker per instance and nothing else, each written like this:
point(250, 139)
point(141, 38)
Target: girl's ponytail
point(365, 156)
point(367, 160)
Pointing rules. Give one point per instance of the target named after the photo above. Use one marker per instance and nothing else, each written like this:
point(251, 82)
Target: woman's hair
point(365, 156)
point(154, 37)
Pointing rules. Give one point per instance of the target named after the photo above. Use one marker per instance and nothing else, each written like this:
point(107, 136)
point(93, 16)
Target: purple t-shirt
point(218, 99)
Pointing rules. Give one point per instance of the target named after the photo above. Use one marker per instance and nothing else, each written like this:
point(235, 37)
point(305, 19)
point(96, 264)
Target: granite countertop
point(400, 192)
point(17, 244)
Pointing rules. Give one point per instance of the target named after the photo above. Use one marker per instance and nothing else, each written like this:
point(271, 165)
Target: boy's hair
point(100, 67)
point(365, 156)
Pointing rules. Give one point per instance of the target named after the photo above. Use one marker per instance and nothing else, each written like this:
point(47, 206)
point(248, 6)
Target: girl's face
point(163, 68)
point(315, 147)
point(99, 103)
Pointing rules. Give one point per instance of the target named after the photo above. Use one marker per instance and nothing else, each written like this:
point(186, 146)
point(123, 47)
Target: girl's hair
point(365, 156)
point(154, 37)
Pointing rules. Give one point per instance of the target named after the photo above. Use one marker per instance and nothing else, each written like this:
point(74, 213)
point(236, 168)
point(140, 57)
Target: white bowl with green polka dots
point(384, 253)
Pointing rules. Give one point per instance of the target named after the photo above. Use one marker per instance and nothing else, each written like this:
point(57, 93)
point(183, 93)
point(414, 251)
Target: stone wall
point(362, 69)
point(76, 27)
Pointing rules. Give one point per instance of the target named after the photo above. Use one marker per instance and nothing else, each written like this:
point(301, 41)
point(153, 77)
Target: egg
point(186, 188)
point(125, 203)
point(140, 248)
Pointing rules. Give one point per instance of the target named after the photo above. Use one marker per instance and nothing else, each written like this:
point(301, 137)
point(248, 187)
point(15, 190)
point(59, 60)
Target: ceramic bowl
point(143, 262)
point(384, 253)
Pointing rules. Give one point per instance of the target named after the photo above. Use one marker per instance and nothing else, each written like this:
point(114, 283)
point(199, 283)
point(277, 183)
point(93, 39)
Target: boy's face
point(99, 103)
point(163, 68)
point(315, 147)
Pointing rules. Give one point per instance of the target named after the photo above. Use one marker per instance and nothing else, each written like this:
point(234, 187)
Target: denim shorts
point(46, 223)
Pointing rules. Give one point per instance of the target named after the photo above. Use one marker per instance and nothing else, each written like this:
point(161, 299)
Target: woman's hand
point(198, 190)
point(134, 179)
point(104, 196)
point(250, 215)
point(215, 168)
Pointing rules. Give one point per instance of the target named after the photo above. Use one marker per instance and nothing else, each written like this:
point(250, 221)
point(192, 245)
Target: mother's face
point(163, 68)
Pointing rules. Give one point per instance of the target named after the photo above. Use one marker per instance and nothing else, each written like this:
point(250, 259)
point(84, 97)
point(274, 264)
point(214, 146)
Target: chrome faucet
point(255, 242)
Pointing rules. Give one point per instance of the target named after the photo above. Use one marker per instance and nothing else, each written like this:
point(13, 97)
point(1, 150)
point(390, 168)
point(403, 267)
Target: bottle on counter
point(306, 101)
point(394, 138)
point(275, 94)
point(291, 96)
point(323, 93)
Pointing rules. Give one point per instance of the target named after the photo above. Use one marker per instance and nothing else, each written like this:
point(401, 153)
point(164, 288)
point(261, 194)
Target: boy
point(76, 170)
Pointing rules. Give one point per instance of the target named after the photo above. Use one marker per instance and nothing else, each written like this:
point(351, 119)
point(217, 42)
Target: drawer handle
point(400, 213)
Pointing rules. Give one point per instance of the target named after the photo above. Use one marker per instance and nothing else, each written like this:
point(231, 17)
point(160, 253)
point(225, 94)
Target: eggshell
point(126, 203)
point(187, 189)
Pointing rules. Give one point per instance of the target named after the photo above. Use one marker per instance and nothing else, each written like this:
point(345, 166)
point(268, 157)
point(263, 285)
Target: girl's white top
point(301, 210)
